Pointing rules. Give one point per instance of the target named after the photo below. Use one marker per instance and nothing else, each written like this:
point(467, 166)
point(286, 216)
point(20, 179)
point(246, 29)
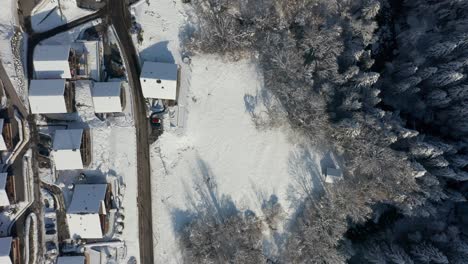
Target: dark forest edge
point(383, 84)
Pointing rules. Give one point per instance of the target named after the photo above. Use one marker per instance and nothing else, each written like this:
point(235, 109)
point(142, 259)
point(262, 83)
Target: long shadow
point(203, 200)
point(158, 52)
point(303, 167)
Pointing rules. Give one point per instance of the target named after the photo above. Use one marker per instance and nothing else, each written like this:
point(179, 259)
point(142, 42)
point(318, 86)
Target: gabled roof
point(66, 146)
point(5, 248)
point(106, 97)
point(3, 195)
point(333, 175)
point(2, 139)
point(51, 53)
point(83, 212)
point(67, 139)
point(51, 61)
point(159, 80)
point(47, 96)
point(71, 260)
point(87, 198)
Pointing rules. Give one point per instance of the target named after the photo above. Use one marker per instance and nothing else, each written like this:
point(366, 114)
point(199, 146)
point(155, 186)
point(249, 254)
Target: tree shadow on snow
point(307, 176)
point(158, 52)
point(203, 199)
point(48, 19)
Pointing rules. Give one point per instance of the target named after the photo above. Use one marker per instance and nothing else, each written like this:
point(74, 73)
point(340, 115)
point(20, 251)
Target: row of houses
point(57, 69)
point(56, 96)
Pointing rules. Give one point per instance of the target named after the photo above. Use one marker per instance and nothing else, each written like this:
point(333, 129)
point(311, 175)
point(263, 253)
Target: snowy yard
point(53, 13)
point(217, 145)
point(222, 148)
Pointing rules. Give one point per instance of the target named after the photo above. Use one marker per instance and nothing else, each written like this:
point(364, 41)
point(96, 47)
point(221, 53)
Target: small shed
point(71, 260)
point(67, 149)
point(86, 210)
point(5, 250)
point(333, 175)
point(159, 80)
point(50, 97)
point(108, 97)
point(52, 62)
point(4, 200)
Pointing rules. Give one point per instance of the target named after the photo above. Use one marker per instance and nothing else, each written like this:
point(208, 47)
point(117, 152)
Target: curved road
point(119, 18)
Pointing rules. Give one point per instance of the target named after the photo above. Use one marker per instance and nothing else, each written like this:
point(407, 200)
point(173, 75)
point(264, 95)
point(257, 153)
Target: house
point(50, 97)
point(86, 215)
point(5, 250)
point(4, 199)
point(108, 97)
point(333, 175)
point(70, 149)
point(4, 130)
point(9, 250)
point(71, 260)
point(52, 62)
point(159, 80)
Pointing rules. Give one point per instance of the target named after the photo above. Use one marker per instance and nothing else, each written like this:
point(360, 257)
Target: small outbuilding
point(86, 215)
point(159, 80)
point(69, 149)
point(50, 97)
point(108, 97)
point(52, 62)
point(333, 175)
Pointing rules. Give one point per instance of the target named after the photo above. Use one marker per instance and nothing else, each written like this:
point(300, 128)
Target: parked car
point(45, 140)
point(43, 151)
point(50, 226)
point(50, 245)
point(51, 232)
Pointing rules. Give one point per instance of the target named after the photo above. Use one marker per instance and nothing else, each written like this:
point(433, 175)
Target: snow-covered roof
point(71, 260)
point(106, 97)
point(67, 155)
point(3, 195)
point(47, 96)
point(87, 198)
point(333, 175)
point(51, 62)
point(93, 59)
point(5, 248)
point(96, 256)
point(2, 139)
point(87, 226)
point(159, 80)
point(83, 213)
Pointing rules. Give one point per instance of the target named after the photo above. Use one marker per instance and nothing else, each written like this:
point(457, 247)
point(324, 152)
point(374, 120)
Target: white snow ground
point(218, 144)
point(47, 14)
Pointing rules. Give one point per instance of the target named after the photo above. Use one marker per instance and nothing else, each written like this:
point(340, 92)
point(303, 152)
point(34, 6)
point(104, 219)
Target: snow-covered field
point(218, 143)
point(49, 14)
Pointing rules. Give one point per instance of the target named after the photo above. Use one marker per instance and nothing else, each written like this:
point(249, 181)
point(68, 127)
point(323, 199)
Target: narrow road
point(119, 17)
